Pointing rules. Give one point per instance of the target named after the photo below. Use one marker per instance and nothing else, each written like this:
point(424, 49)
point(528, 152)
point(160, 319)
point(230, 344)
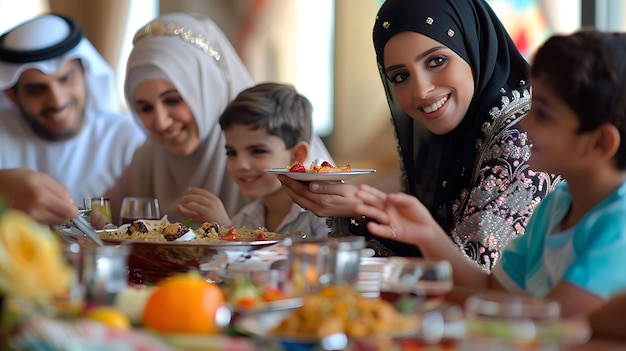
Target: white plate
point(322, 177)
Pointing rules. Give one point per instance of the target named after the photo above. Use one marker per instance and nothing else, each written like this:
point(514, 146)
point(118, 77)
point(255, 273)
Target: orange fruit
point(110, 316)
point(185, 303)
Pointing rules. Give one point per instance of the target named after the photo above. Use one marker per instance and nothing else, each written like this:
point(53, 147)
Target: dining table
point(141, 340)
point(61, 333)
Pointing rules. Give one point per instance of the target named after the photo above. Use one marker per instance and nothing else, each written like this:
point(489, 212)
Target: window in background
point(524, 21)
point(531, 22)
point(292, 41)
point(14, 12)
point(315, 42)
point(139, 13)
point(610, 15)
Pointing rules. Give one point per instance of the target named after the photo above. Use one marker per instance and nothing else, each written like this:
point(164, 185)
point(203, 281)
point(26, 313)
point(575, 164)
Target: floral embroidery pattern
point(504, 189)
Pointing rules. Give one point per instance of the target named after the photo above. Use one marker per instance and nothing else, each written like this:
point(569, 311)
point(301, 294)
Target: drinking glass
point(314, 264)
point(70, 302)
point(507, 321)
point(105, 273)
point(134, 207)
point(100, 211)
point(416, 277)
point(370, 278)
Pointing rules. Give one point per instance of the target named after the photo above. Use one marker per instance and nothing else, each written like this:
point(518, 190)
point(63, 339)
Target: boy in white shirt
point(266, 126)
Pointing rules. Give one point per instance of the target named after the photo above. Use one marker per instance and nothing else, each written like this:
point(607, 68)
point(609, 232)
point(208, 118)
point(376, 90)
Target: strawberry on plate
point(297, 167)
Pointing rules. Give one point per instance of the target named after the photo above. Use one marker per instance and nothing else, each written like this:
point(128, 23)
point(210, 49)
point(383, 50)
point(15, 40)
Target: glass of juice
point(100, 214)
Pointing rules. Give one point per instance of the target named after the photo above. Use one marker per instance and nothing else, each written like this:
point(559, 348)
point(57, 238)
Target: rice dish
point(209, 232)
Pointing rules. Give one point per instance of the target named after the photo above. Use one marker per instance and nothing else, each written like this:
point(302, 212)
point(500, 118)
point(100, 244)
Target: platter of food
point(160, 248)
point(209, 234)
point(321, 177)
point(320, 171)
point(238, 246)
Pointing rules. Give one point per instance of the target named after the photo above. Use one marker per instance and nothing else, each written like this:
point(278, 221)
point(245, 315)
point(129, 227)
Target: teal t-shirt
point(591, 255)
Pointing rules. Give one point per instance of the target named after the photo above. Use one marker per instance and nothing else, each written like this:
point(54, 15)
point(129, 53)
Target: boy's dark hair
point(274, 106)
point(587, 70)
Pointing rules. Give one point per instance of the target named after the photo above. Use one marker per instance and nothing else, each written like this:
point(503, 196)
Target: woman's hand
point(397, 216)
point(404, 218)
point(201, 205)
point(323, 199)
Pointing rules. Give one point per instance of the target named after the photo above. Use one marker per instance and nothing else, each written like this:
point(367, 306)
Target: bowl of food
point(160, 249)
point(338, 316)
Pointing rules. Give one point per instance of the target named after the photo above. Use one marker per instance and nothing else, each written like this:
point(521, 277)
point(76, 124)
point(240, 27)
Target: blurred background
point(323, 47)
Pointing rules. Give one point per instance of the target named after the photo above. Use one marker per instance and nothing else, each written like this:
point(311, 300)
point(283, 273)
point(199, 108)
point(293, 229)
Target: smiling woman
point(179, 102)
point(424, 83)
point(165, 114)
point(456, 87)
point(456, 95)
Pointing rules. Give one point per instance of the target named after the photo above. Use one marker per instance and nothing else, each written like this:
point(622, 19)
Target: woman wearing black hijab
point(470, 171)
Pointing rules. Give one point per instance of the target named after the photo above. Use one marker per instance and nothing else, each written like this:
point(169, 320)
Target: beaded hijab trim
point(429, 21)
point(158, 27)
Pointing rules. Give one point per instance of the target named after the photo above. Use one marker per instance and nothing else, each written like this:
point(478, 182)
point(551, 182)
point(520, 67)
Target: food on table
point(137, 226)
point(174, 231)
point(109, 316)
point(337, 309)
point(243, 293)
point(297, 167)
point(132, 301)
point(185, 303)
point(208, 232)
point(148, 224)
point(324, 167)
point(206, 228)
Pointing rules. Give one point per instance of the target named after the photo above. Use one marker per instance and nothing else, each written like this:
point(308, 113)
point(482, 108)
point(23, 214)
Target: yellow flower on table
point(32, 264)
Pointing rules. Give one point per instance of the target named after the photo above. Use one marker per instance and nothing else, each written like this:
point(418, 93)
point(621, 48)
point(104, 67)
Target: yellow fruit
point(110, 316)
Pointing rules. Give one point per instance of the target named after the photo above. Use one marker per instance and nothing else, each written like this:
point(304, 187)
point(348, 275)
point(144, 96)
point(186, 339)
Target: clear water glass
point(313, 264)
point(508, 321)
point(105, 273)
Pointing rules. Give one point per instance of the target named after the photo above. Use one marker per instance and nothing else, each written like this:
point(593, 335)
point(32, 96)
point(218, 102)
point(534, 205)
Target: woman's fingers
point(373, 191)
point(374, 198)
point(372, 212)
point(323, 199)
point(294, 188)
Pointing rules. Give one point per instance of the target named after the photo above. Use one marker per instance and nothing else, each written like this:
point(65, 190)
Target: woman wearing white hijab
point(194, 55)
